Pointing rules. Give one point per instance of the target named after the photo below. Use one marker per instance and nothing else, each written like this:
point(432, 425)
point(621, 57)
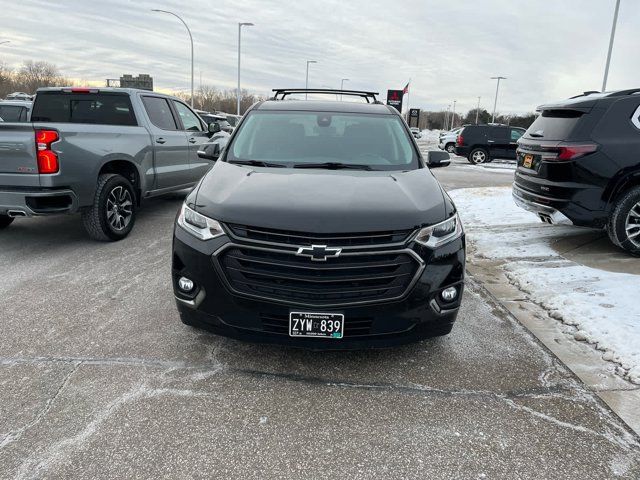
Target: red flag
point(405, 90)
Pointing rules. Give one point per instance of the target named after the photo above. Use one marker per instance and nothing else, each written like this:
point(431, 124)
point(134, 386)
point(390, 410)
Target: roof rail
point(585, 94)
point(621, 93)
point(281, 93)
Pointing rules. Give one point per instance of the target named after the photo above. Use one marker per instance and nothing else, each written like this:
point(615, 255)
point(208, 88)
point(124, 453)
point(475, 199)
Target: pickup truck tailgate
point(18, 151)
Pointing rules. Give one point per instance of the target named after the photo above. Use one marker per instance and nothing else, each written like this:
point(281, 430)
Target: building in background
point(142, 81)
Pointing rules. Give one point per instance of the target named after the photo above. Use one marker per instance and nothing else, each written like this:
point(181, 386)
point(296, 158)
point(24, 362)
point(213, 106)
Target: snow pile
point(599, 306)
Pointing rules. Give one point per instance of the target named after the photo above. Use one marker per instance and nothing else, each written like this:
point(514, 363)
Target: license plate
point(528, 161)
point(322, 325)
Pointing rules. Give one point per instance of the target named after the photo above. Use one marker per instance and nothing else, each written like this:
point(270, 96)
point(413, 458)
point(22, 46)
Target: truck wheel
point(5, 221)
point(624, 223)
point(113, 213)
point(478, 156)
point(450, 148)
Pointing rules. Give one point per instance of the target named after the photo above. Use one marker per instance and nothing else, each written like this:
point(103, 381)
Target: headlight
point(204, 228)
point(440, 233)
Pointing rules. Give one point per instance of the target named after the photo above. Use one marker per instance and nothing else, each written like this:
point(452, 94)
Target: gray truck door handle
point(160, 140)
point(192, 140)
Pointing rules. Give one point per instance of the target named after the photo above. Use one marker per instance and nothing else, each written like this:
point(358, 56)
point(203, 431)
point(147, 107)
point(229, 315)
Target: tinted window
point(554, 124)
point(232, 120)
point(102, 109)
point(13, 113)
point(516, 134)
point(296, 138)
point(159, 112)
point(190, 120)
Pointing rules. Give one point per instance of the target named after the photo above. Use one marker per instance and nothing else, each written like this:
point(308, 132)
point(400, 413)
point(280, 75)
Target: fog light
point(185, 284)
point(449, 294)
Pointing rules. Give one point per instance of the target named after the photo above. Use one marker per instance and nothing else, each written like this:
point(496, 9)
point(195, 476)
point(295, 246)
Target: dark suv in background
point(483, 143)
point(580, 162)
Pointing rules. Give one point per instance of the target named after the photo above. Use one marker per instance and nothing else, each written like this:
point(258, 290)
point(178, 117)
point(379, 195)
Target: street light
point(342, 85)
point(446, 118)
point(240, 25)
point(477, 110)
point(190, 38)
point(306, 83)
point(453, 119)
point(613, 34)
point(495, 103)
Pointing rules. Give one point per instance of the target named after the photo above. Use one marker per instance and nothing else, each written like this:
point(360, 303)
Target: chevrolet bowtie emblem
point(318, 253)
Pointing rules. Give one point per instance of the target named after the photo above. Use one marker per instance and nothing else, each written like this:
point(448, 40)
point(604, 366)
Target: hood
point(320, 201)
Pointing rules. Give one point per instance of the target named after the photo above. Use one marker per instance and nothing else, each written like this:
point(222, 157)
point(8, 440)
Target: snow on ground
point(600, 306)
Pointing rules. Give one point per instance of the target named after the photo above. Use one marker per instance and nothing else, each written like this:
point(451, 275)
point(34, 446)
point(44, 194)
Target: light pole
point(613, 34)
point(342, 85)
point(453, 118)
point(495, 103)
point(477, 110)
point(190, 38)
point(446, 118)
point(240, 25)
point(306, 83)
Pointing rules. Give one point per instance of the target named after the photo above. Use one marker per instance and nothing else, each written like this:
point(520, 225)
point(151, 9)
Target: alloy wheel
point(119, 208)
point(632, 225)
point(479, 156)
point(451, 149)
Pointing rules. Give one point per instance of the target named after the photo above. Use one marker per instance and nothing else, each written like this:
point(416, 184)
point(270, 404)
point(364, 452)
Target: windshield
point(325, 140)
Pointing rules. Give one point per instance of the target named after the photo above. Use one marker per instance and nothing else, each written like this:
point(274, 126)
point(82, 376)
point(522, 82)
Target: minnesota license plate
point(322, 325)
point(527, 162)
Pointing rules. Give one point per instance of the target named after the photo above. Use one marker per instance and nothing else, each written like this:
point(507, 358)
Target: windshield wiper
point(333, 166)
point(257, 163)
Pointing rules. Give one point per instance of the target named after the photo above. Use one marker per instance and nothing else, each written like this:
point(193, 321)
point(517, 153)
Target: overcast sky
point(548, 49)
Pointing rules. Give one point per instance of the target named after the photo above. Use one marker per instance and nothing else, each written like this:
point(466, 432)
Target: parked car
point(25, 97)
point(98, 152)
point(415, 131)
point(15, 111)
point(320, 225)
point(233, 119)
point(447, 140)
point(483, 143)
point(578, 163)
point(211, 118)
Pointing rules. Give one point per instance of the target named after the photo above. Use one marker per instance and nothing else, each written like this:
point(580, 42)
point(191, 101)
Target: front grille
point(353, 326)
point(259, 234)
point(280, 275)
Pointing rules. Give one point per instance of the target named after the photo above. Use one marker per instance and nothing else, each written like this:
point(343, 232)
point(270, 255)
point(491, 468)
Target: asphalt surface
point(99, 379)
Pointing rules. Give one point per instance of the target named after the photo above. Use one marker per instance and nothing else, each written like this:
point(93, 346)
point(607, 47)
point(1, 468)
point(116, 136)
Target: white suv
point(447, 140)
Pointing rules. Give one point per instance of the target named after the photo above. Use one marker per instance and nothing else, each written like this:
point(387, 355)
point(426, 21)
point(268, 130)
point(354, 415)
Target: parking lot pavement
point(99, 379)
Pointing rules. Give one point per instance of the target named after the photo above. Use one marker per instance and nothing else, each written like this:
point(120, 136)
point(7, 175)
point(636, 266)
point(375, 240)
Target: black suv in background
point(580, 162)
point(483, 143)
point(320, 225)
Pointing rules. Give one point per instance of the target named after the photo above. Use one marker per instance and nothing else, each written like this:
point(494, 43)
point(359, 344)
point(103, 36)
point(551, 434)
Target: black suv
point(483, 143)
point(321, 226)
point(579, 162)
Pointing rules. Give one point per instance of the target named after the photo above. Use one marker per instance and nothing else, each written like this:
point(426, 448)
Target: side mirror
point(210, 151)
point(214, 127)
point(438, 159)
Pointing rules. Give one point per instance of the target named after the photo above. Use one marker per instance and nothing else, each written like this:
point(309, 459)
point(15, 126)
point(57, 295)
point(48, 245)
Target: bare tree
point(33, 75)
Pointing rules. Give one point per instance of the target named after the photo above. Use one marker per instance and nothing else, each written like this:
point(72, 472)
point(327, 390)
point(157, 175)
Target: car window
point(159, 112)
point(93, 108)
point(233, 121)
point(189, 119)
point(13, 113)
point(380, 142)
point(555, 124)
point(516, 134)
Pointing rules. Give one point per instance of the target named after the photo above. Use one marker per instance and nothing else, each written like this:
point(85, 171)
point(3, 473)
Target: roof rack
point(281, 93)
point(621, 93)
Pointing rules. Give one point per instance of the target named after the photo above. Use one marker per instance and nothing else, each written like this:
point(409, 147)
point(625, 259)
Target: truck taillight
point(571, 152)
point(460, 140)
point(47, 158)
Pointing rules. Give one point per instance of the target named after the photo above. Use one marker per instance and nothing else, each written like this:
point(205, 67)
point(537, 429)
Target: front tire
point(479, 156)
point(113, 213)
point(624, 223)
point(450, 148)
point(5, 221)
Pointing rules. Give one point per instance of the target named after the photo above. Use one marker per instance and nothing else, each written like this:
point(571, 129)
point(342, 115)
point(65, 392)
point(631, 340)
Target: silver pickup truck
point(98, 151)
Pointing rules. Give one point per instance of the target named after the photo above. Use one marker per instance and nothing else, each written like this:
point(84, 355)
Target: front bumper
point(418, 314)
point(22, 202)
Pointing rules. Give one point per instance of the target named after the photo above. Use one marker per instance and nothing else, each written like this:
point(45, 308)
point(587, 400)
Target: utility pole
point(240, 25)
point(306, 82)
point(613, 34)
point(453, 118)
point(477, 110)
point(495, 103)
